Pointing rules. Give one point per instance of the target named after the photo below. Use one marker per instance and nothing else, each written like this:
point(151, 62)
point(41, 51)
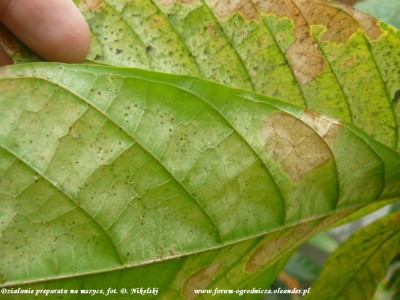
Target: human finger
point(54, 29)
point(5, 59)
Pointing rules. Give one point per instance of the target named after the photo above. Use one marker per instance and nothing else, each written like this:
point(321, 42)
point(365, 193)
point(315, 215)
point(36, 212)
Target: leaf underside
point(107, 168)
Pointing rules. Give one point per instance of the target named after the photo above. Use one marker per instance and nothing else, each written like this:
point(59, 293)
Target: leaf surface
point(91, 154)
point(107, 168)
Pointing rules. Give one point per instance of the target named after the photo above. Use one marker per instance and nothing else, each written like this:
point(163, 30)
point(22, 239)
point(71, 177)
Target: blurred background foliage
point(385, 10)
point(305, 265)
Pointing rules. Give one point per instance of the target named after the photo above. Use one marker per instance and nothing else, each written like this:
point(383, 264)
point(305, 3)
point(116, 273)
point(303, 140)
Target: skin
point(54, 29)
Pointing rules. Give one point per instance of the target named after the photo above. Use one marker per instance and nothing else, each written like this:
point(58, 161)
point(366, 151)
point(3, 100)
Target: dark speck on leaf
point(149, 48)
point(397, 95)
point(118, 51)
point(396, 98)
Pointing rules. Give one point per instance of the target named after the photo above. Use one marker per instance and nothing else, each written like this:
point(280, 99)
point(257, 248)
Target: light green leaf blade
point(357, 267)
point(108, 168)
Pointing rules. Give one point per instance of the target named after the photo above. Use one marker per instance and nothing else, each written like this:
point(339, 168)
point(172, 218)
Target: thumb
point(54, 29)
point(4, 58)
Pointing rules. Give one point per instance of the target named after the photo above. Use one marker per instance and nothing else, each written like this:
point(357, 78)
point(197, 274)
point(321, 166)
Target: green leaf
point(357, 267)
point(94, 187)
point(104, 169)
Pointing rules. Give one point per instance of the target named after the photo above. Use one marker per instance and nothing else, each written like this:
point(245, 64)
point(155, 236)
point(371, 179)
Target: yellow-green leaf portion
point(331, 58)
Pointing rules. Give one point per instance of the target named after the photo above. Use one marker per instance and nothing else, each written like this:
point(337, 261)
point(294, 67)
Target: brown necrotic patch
point(369, 24)
point(272, 249)
point(266, 253)
point(339, 25)
point(328, 128)
point(340, 21)
point(171, 2)
point(91, 5)
point(304, 55)
point(200, 280)
point(226, 8)
point(293, 145)
point(305, 60)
